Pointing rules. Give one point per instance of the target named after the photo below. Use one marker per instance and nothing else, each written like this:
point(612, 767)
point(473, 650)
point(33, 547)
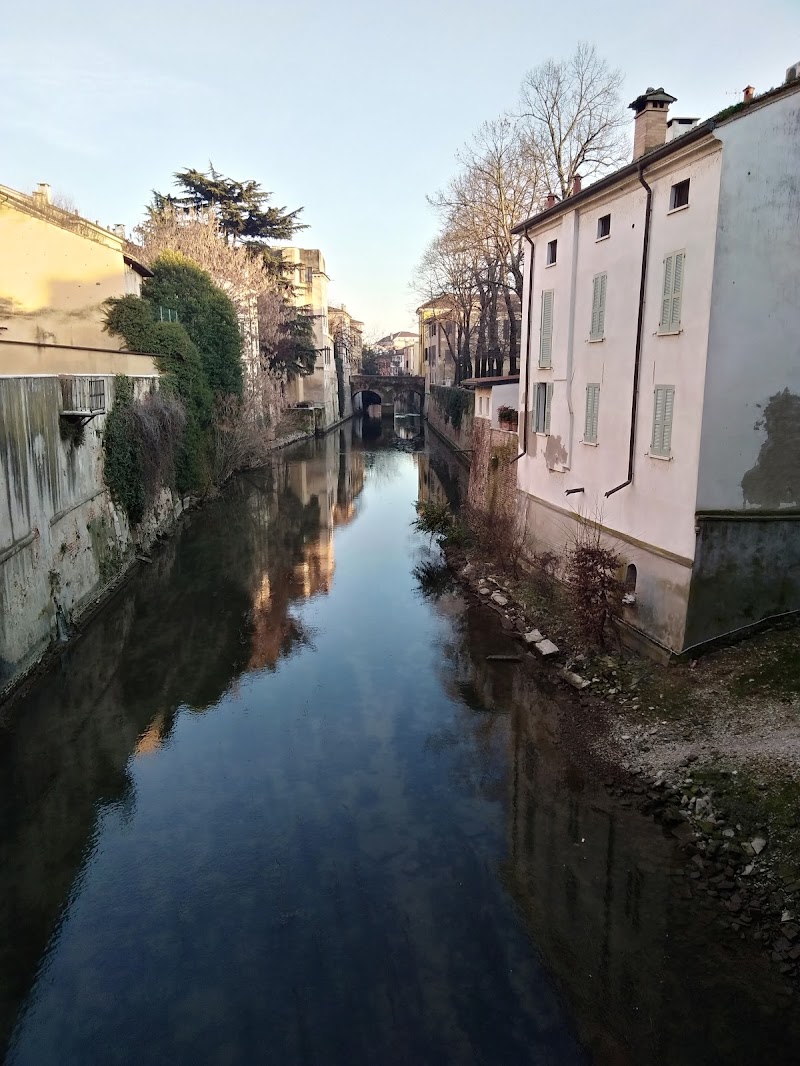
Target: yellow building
point(56, 271)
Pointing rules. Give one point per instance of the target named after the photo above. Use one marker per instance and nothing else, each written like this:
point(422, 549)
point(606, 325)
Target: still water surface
point(276, 807)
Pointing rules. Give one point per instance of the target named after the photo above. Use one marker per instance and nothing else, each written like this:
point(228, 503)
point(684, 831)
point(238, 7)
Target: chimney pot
point(576, 184)
point(650, 130)
point(749, 92)
point(42, 193)
point(551, 200)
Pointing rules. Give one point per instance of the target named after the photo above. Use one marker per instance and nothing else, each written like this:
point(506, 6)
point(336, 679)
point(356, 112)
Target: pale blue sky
point(353, 110)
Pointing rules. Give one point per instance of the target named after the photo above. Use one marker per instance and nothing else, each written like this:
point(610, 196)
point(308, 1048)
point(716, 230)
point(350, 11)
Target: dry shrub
point(240, 439)
point(595, 591)
point(157, 422)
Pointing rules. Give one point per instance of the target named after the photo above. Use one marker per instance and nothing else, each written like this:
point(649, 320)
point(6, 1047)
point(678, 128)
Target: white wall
point(658, 507)
point(754, 344)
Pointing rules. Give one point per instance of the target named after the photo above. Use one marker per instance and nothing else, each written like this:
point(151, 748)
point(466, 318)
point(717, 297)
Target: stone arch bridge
point(389, 389)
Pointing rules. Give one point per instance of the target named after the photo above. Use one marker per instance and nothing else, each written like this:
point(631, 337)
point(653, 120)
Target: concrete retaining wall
point(439, 411)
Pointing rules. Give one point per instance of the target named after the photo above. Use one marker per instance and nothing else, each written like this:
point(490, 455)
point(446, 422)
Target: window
point(552, 251)
point(630, 578)
point(546, 330)
point(598, 327)
point(309, 275)
point(679, 195)
point(603, 227)
point(592, 406)
point(663, 402)
point(426, 355)
point(541, 412)
point(431, 329)
point(672, 293)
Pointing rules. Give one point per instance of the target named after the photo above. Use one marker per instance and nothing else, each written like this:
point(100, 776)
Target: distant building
point(322, 389)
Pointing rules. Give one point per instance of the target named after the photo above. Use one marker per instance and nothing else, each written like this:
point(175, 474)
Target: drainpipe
point(527, 355)
point(639, 330)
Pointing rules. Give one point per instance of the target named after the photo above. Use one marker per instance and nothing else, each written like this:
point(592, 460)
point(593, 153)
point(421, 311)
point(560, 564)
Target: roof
point(697, 133)
point(137, 265)
point(484, 383)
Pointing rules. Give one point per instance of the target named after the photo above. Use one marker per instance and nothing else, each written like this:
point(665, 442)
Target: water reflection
point(650, 977)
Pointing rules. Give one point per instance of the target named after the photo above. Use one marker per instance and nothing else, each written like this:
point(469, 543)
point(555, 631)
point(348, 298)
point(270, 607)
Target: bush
point(594, 589)
point(439, 522)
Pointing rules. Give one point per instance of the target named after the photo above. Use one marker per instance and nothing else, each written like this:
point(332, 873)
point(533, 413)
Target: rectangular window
point(431, 329)
point(552, 251)
point(592, 407)
point(309, 275)
point(598, 327)
point(663, 402)
point(672, 293)
point(541, 412)
point(679, 195)
point(546, 330)
point(603, 227)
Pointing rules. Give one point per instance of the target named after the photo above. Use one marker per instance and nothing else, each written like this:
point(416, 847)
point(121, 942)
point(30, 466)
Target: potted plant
point(508, 417)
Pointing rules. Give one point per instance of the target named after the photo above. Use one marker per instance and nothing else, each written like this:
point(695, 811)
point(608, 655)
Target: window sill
point(668, 333)
point(589, 443)
point(544, 367)
point(675, 210)
point(595, 340)
point(548, 265)
point(606, 238)
point(661, 458)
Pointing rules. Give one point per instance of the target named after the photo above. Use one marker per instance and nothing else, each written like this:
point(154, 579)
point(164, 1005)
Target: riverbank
point(709, 750)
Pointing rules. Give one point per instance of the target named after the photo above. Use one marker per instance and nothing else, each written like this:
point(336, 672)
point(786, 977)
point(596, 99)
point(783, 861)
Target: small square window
point(603, 227)
point(679, 197)
point(552, 249)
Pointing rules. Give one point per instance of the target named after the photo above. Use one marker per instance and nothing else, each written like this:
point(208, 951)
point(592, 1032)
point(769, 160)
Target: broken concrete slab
point(572, 678)
point(500, 599)
point(533, 637)
point(546, 648)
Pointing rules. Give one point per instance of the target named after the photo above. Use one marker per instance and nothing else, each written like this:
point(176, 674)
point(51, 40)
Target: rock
point(728, 833)
point(787, 916)
point(533, 637)
point(758, 845)
point(499, 598)
point(572, 678)
point(748, 870)
point(468, 569)
point(546, 648)
point(483, 591)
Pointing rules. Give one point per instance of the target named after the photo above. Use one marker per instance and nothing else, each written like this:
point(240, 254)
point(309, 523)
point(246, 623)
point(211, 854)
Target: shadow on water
point(275, 805)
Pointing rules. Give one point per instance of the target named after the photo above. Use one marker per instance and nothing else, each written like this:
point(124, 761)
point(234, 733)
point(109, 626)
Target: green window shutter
point(663, 403)
point(546, 330)
point(548, 403)
point(666, 294)
point(598, 307)
point(592, 407)
point(677, 292)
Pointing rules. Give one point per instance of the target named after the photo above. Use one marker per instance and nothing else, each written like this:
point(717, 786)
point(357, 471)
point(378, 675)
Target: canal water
point(275, 806)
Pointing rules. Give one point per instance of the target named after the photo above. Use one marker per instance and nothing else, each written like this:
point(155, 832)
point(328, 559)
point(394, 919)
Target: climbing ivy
point(123, 464)
point(452, 403)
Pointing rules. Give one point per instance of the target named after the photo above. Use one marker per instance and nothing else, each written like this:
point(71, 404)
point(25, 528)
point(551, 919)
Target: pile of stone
point(727, 864)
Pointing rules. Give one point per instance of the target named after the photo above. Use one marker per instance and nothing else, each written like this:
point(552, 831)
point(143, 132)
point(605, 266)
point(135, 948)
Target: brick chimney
point(576, 185)
point(41, 194)
point(550, 201)
point(651, 110)
point(748, 94)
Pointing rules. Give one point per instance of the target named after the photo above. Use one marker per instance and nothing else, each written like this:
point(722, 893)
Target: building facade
point(660, 371)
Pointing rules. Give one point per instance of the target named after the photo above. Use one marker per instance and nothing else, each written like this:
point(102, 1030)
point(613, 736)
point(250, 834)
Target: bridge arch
point(389, 389)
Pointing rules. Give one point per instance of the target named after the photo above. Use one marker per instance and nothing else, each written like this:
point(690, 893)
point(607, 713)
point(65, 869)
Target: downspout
point(639, 330)
point(527, 354)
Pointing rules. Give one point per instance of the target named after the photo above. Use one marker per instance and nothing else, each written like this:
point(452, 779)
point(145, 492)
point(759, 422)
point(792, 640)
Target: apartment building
point(660, 378)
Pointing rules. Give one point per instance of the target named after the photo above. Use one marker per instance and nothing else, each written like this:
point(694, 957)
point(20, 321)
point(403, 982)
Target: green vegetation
point(123, 472)
point(441, 524)
point(452, 403)
point(369, 361)
point(294, 353)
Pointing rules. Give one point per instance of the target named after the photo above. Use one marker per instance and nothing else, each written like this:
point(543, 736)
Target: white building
point(661, 370)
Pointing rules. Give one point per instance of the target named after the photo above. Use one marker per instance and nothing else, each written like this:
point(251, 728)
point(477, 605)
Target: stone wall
point(450, 411)
point(62, 541)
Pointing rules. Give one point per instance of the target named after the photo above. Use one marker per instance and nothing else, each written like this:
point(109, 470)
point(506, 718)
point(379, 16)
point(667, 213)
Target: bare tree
point(573, 115)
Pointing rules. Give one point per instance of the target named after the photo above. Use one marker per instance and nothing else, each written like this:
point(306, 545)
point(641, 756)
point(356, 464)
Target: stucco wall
point(750, 451)
point(22, 359)
point(61, 539)
point(53, 280)
point(658, 507)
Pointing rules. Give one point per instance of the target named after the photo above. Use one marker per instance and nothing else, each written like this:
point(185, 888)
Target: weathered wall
point(750, 446)
point(746, 568)
point(23, 359)
point(61, 539)
point(492, 477)
point(440, 407)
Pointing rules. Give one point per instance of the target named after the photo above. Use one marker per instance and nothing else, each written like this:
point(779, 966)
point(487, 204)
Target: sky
point(353, 110)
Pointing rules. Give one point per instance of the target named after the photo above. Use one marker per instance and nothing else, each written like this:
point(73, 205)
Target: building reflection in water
point(233, 577)
point(649, 976)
